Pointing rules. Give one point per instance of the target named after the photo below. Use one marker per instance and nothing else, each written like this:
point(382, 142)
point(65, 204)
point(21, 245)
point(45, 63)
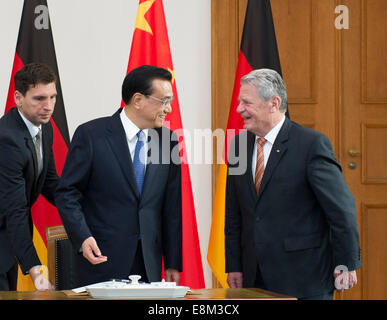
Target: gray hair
point(269, 84)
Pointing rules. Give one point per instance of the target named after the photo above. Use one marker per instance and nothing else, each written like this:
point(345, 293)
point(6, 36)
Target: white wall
point(92, 41)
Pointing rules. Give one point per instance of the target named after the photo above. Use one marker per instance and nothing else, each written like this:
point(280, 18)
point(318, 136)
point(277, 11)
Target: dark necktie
point(260, 167)
point(38, 142)
point(139, 161)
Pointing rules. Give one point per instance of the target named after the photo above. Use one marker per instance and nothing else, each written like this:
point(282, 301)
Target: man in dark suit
point(27, 169)
point(121, 211)
point(290, 222)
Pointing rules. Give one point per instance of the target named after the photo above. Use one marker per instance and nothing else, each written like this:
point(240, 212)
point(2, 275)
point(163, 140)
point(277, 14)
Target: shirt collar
point(33, 129)
point(272, 134)
point(130, 128)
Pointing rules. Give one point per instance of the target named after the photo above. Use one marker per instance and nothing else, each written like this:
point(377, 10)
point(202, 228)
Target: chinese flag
point(150, 45)
point(258, 50)
point(35, 44)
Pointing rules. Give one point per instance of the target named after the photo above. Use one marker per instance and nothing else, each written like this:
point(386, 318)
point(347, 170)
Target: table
point(199, 294)
point(198, 304)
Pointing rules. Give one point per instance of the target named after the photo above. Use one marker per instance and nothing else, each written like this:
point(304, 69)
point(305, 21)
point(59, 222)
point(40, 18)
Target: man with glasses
point(120, 192)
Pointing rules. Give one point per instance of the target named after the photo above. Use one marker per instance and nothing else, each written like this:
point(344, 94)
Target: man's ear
point(136, 100)
point(275, 104)
point(18, 97)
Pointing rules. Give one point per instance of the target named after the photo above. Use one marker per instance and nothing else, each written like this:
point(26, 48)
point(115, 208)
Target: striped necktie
point(260, 167)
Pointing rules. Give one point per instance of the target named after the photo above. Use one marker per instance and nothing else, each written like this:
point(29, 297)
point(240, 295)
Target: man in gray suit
point(290, 217)
point(120, 191)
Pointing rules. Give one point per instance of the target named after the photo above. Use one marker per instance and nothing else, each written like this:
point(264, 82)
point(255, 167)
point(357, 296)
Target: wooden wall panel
point(374, 222)
point(374, 136)
point(225, 48)
point(306, 37)
point(296, 38)
point(363, 127)
point(374, 42)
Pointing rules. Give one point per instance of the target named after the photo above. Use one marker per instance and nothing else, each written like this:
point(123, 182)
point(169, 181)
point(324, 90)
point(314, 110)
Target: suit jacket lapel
point(249, 174)
point(28, 140)
point(117, 140)
point(46, 153)
point(278, 150)
point(45, 146)
point(154, 158)
point(30, 145)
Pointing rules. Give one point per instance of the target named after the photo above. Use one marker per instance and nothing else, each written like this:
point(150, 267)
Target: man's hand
point(344, 279)
point(235, 279)
point(172, 275)
point(41, 283)
point(91, 251)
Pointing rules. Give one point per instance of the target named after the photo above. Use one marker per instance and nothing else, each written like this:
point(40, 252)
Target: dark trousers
point(8, 280)
point(260, 284)
point(138, 266)
point(324, 296)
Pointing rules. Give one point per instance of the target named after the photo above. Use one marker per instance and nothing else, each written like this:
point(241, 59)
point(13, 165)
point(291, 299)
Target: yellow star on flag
point(173, 75)
point(141, 22)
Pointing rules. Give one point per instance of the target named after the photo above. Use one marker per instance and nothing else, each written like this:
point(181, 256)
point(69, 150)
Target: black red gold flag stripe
point(258, 50)
point(35, 44)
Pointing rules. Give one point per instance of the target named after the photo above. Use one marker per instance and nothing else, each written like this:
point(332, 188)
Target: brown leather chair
point(61, 258)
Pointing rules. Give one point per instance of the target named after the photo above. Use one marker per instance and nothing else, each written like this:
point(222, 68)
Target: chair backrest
point(61, 258)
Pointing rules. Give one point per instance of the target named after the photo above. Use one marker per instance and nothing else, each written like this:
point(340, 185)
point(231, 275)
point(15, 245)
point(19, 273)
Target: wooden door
point(336, 81)
point(363, 70)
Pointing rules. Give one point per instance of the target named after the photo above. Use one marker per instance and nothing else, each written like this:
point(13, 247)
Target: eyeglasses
point(165, 102)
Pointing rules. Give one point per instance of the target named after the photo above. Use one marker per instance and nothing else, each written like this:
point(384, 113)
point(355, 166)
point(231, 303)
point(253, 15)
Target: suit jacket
point(301, 225)
point(20, 186)
point(98, 197)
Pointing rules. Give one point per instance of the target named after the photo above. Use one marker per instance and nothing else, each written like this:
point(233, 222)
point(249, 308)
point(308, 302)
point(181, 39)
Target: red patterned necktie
point(260, 167)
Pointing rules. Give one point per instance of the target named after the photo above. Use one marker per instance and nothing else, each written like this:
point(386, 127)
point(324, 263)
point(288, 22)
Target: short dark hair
point(140, 80)
point(31, 75)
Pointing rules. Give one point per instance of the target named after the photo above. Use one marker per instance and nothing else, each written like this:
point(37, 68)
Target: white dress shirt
point(34, 130)
point(270, 138)
point(131, 131)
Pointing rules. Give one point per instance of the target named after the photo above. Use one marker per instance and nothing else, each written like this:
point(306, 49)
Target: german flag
point(258, 50)
point(35, 44)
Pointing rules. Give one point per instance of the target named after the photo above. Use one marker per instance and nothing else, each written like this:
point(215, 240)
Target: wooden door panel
point(374, 222)
point(306, 37)
point(295, 24)
point(374, 47)
point(374, 149)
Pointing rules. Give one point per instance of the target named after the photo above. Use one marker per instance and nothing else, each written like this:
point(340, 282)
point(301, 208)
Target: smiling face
point(153, 112)
point(259, 116)
point(38, 103)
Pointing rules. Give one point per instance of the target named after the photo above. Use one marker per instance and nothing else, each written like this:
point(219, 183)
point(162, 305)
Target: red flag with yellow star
point(150, 45)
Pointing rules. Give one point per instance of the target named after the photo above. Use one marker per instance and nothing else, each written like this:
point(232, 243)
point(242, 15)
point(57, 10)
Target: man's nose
point(49, 105)
point(168, 108)
point(240, 108)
